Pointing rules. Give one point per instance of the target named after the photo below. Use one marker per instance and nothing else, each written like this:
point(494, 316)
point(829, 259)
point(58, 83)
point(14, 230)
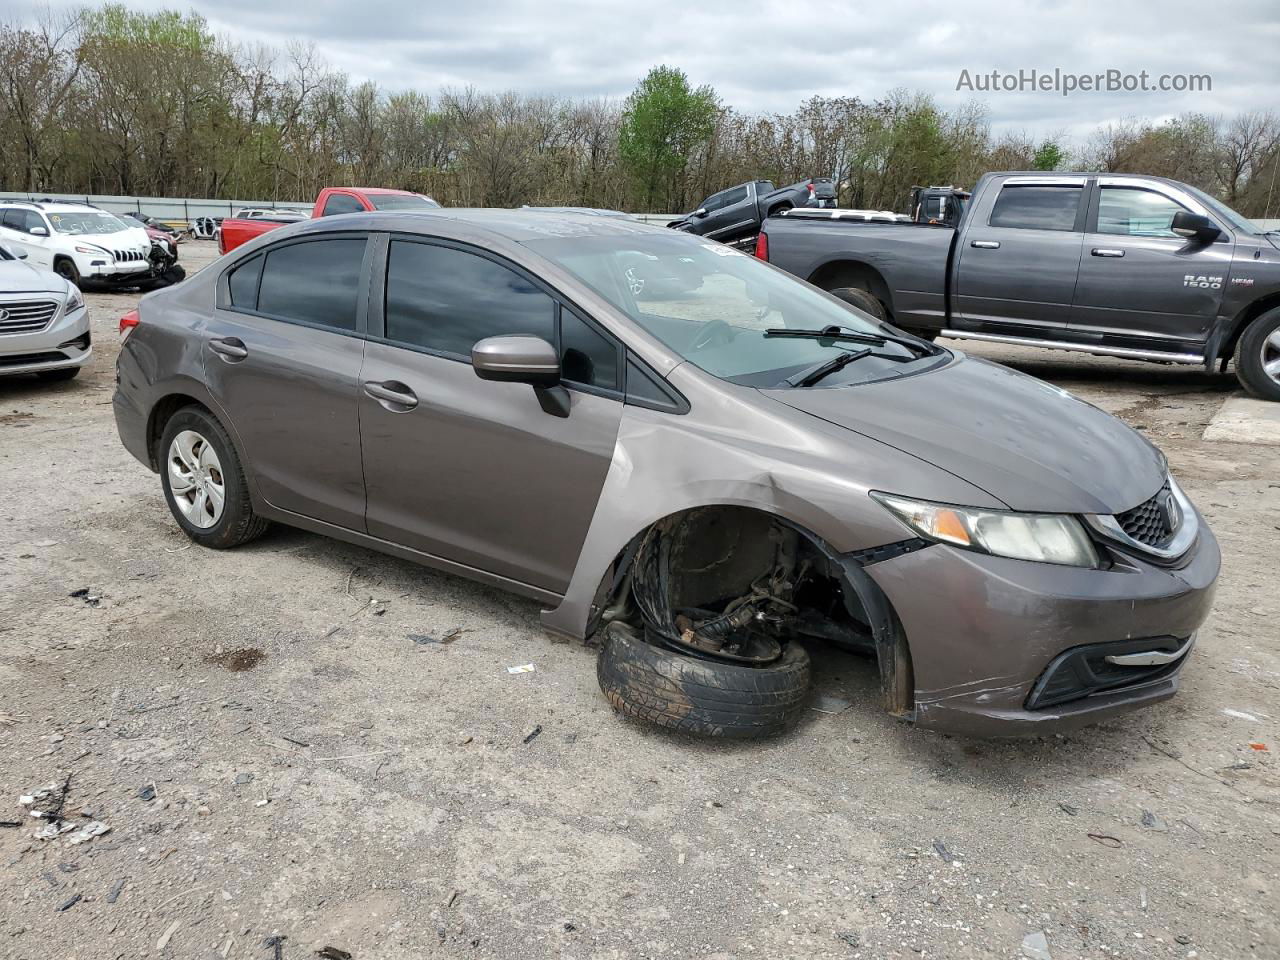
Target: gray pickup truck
point(735, 214)
point(1113, 264)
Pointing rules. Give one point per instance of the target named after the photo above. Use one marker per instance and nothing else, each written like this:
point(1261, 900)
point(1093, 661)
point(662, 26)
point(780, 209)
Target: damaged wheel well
point(722, 567)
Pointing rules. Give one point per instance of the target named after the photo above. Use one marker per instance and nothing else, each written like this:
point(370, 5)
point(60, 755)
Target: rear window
point(395, 201)
point(315, 282)
point(1037, 207)
point(242, 284)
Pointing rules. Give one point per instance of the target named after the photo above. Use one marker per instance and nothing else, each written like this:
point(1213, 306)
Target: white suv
point(74, 240)
point(44, 326)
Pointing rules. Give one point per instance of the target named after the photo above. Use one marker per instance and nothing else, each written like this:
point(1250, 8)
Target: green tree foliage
point(1049, 156)
point(663, 122)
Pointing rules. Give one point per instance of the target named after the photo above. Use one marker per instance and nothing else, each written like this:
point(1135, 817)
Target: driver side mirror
point(1194, 226)
point(39, 232)
point(516, 359)
point(700, 212)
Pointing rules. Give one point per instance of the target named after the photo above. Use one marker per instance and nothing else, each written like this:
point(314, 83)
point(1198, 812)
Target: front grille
point(1150, 522)
point(127, 256)
point(26, 316)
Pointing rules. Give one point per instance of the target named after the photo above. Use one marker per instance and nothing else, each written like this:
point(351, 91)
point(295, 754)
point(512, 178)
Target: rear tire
point(66, 268)
point(1258, 348)
point(864, 300)
point(697, 696)
point(235, 523)
point(58, 376)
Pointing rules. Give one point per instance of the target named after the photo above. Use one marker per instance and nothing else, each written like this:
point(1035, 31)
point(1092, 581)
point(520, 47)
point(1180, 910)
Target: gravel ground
point(320, 777)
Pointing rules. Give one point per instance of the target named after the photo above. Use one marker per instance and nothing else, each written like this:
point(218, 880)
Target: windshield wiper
point(807, 378)
point(838, 333)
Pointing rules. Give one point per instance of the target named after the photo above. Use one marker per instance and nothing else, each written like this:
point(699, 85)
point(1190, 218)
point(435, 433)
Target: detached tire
point(1259, 346)
point(701, 696)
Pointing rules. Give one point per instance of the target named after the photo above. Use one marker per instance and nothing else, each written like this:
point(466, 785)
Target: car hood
point(1029, 444)
point(18, 276)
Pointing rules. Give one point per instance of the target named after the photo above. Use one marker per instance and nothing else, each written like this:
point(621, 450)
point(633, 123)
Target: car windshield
point(1221, 210)
point(90, 222)
point(721, 310)
point(396, 201)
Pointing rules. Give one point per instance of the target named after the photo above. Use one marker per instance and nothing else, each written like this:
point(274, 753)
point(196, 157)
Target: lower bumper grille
point(26, 316)
point(1083, 671)
point(22, 359)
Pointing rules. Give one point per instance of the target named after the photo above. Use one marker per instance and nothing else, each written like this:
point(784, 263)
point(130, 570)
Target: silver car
point(44, 324)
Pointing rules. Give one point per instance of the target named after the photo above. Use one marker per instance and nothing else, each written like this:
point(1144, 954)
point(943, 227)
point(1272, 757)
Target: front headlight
point(75, 300)
point(1046, 537)
point(91, 249)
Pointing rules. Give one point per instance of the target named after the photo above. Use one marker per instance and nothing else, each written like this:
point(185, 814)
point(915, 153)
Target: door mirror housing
point(1194, 226)
point(700, 212)
point(39, 231)
point(517, 359)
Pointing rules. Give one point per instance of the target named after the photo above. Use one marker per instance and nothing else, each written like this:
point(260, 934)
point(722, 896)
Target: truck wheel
point(66, 268)
point(704, 697)
point(864, 300)
point(1258, 356)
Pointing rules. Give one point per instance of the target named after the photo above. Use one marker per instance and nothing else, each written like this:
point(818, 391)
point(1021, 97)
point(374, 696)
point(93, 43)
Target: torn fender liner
point(897, 679)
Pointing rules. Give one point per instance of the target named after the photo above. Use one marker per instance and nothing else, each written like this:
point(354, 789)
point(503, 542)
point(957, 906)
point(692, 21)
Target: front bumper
point(984, 632)
point(101, 267)
point(64, 343)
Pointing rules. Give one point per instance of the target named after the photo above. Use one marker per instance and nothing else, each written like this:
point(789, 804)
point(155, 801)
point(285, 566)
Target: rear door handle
point(986, 244)
point(1106, 252)
point(393, 395)
point(229, 348)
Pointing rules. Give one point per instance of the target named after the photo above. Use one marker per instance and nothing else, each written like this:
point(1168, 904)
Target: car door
point(470, 470)
point(1020, 254)
point(282, 356)
point(1140, 279)
point(19, 224)
point(735, 212)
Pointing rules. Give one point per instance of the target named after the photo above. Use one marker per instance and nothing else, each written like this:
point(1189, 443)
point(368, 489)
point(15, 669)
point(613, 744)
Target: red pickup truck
point(332, 200)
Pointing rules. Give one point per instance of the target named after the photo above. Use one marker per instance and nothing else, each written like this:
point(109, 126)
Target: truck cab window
point(1039, 207)
point(1134, 212)
point(341, 203)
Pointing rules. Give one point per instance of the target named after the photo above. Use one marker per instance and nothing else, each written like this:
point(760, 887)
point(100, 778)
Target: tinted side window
point(33, 220)
point(714, 202)
point(1037, 208)
point(734, 196)
point(242, 284)
point(587, 356)
point(317, 281)
point(11, 219)
point(1136, 213)
point(340, 203)
point(446, 299)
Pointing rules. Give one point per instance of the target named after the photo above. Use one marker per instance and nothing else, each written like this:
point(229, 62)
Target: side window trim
point(222, 295)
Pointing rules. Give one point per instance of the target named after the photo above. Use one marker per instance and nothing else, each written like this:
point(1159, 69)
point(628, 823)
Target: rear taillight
point(762, 247)
point(128, 322)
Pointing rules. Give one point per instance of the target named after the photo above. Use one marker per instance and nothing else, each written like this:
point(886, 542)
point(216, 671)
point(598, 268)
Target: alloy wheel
point(1271, 356)
point(195, 479)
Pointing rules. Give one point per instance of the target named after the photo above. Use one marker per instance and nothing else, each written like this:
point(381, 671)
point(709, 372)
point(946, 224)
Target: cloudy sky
point(772, 55)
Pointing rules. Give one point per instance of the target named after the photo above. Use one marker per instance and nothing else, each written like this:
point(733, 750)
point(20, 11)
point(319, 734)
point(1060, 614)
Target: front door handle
point(986, 244)
point(231, 349)
point(393, 395)
point(1106, 252)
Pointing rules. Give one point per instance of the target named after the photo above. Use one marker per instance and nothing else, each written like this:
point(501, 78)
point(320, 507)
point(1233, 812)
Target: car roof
point(515, 225)
point(403, 193)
